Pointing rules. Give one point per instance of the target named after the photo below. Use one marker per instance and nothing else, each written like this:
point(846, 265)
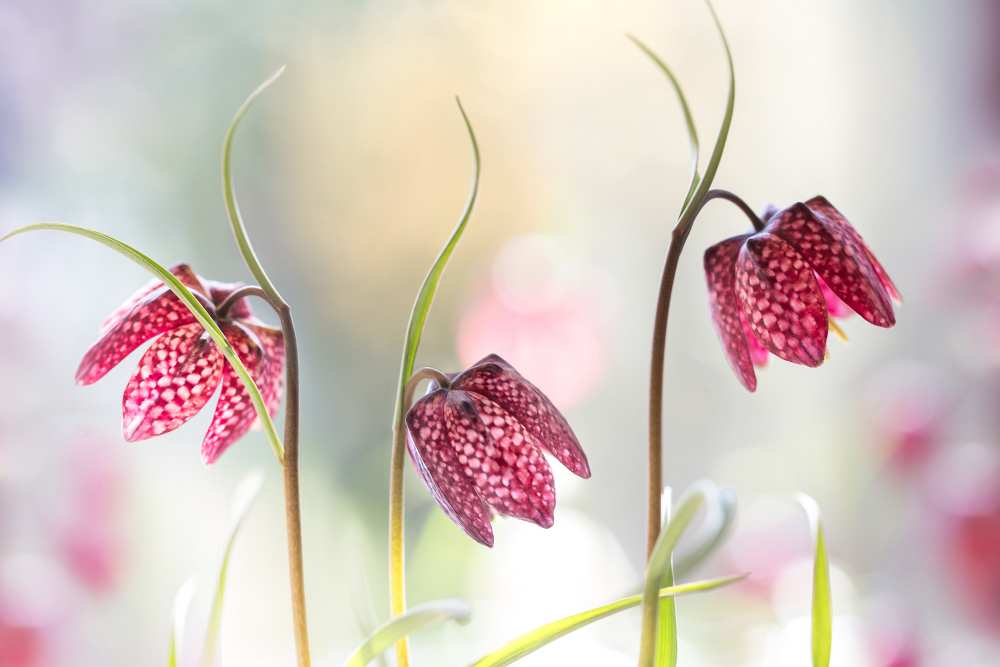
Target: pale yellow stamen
point(835, 328)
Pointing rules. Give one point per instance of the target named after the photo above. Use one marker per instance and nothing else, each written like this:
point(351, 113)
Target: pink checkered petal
point(437, 461)
point(720, 273)
point(183, 272)
point(834, 306)
point(220, 292)
point(272, 374)
point(824, 209)
point(758, 353)
point(501, 458)
point(176, 377)
point(781, 299)
point(497, 380)
point(838, 258)
point(234, 413)
point(158, 312)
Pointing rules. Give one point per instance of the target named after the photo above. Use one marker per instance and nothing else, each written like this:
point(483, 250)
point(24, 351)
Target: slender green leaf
point(188, 299)
point(658, 568)
point(229, 193)
point(425, 297)
point(243, 499)
point(822, 605)
point(182, 603)
point(692, 131)
point(540, 636)
point(417, 618)
point(666, 616)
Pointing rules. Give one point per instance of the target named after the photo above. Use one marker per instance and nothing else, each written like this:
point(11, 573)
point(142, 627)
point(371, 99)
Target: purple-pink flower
point(183, 368)
point(477, 442)
point(773, 291)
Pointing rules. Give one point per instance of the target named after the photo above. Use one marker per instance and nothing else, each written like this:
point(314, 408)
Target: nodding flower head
point(775, 290)
point(183, 367)
point(477, 440)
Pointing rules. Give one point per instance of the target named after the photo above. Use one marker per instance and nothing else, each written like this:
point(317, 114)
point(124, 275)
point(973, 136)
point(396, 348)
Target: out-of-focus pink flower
point(89, 536)
point(182, 369)
point(548, 323)
point(21, 645)
point(477, 443)
point(909, 412)
point(766, 287)
point(769, 540)
point(965, 489)
point(892, 635)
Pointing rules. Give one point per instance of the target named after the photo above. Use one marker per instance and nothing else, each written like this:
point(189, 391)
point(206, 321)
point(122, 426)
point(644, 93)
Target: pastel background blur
point(352, 171)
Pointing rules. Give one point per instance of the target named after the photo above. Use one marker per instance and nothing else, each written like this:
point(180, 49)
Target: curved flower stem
point(290, 462)
point(658, 356)
point(397, 555)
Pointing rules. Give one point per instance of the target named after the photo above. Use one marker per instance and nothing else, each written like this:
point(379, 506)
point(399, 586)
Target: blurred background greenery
point(351, 172)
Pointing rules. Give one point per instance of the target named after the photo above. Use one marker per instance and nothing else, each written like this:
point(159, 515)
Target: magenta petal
point(720, 272)
point(272, 373)
point(782, 300)
point(758, 353)
point(235, 412)
point(838, 258)
point(497, 380)
point(158, 312)
point(501, 458)
point(220, 292)
point(183, 272)
point(437, 461)
point(176, 377)
point(824, 209)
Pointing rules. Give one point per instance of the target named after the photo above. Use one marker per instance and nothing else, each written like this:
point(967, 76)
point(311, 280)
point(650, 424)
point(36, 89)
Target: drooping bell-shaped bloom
point(774, 291)
point(477, 442)
point(183, 368)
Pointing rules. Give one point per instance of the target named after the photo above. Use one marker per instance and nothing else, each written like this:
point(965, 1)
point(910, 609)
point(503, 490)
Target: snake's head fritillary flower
point(183, 368)
point(477, 442)
point(775, 290)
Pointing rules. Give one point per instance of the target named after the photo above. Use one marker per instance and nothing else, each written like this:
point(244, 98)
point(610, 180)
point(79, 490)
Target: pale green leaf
point(822, 605)
point(711, 533)
point(188, 299)
point(658, 568)
point(243, 499)
point(229, 194)
point(540, 636)
point(417, 618)
point(692, 131)
point(182, 603)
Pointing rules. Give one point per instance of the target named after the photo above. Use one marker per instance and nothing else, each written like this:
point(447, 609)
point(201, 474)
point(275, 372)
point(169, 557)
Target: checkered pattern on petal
point(234, 413)
point(437, 455)
point(824, 209)
point(497, 380)
point(781, 299)
point(838, 258)
point(720, 273)
point(176, 377)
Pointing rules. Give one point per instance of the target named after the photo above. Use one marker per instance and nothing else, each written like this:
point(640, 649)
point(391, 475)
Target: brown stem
point(293, 514)
point(290, 462)
point(658, 356)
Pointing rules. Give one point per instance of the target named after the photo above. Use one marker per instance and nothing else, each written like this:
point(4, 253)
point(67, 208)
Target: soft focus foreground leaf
point(822, 606)
point(417, 618)
point(720, 514)
point(685, 109)
point(659, 567)
point(243, 499)
point(182, 603)
point(539, 637)
point(189, 300)
point(228, 189)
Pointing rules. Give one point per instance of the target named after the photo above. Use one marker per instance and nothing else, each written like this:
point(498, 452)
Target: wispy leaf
point(542, 635)
point(417, 618)
point(243, 499)
point(182, 604)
